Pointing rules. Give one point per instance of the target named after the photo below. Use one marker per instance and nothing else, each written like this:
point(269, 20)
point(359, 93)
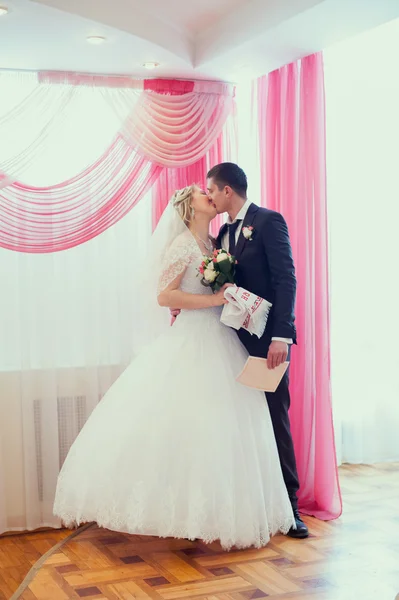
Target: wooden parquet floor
point(353, 558)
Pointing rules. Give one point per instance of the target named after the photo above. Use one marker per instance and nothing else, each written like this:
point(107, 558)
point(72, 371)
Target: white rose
point(247, 232)
point(211, 266)
point(221, 257)
point(210, 275)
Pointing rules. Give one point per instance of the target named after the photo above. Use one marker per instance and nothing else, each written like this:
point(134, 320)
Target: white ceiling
point(229, 40)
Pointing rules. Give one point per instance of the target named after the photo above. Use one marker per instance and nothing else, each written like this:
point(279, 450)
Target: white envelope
point(257, 375)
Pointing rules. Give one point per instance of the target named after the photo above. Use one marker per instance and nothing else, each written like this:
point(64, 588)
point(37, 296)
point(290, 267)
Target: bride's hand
point(218, 298)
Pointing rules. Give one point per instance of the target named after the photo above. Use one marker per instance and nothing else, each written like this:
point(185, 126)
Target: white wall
point(362, 85)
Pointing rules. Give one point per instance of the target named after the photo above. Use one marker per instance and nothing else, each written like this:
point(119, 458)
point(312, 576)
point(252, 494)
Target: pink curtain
point(178, 178)
point(220, 150)
point(291, 107)
point(167, 127)
point(51, 219)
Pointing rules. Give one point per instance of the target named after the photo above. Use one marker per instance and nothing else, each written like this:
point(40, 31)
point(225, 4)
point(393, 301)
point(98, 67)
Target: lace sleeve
point(176, 260)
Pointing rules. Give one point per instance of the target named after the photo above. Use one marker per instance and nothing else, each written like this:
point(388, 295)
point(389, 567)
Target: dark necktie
point(232, 235)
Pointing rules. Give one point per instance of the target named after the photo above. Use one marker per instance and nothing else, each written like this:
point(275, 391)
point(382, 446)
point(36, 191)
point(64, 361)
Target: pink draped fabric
point(172, 126)
point(51, 219)
point(172, 179)
point(177, 129)
point(291, 106)
point(173, 87)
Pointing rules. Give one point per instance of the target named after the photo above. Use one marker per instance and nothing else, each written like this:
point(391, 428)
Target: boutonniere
point(248, 232)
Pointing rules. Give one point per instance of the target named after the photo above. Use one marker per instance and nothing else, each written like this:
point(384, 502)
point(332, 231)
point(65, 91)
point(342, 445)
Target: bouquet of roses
point(218, 269)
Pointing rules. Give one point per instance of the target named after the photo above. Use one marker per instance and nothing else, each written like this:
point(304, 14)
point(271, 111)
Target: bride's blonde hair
point(181, 201)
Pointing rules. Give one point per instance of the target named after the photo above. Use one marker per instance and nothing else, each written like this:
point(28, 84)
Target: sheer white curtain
point(362, 85)
point(67, 323)
point(248, 147)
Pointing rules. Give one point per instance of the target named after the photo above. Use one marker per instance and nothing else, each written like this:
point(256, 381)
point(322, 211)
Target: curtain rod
point(86, 74)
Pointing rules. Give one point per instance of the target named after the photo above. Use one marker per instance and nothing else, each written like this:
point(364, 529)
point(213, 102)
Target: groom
point(265, 268)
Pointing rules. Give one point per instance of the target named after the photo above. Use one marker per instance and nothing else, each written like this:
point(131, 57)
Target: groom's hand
point(277, 354)
point(174, 313)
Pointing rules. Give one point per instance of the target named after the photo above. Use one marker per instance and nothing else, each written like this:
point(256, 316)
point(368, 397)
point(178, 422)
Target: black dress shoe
point(301, 530)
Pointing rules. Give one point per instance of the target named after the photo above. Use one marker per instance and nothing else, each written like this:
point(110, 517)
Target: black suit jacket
point(266, 268)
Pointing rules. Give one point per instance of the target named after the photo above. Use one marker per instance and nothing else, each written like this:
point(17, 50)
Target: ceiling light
point(96, 39)
point(3, 10)
point(150, 65)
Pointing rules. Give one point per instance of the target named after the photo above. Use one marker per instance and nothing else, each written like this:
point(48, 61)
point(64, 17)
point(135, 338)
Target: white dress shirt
point(225, 245)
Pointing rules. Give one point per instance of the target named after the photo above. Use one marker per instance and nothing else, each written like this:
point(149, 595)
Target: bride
point(177, 448)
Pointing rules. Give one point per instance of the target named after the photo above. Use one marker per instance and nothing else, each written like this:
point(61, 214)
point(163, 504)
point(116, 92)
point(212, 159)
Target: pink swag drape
point(178, 177)
point(291, 112)
point(166, 126)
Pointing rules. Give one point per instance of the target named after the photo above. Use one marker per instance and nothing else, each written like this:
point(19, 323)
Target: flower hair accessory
point(181, 195)
point(248, 232)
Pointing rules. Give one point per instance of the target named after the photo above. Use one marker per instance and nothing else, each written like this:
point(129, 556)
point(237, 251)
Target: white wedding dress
point(178, 448)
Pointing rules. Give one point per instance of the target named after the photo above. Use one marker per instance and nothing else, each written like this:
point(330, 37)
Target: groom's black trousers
point(279, 404)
